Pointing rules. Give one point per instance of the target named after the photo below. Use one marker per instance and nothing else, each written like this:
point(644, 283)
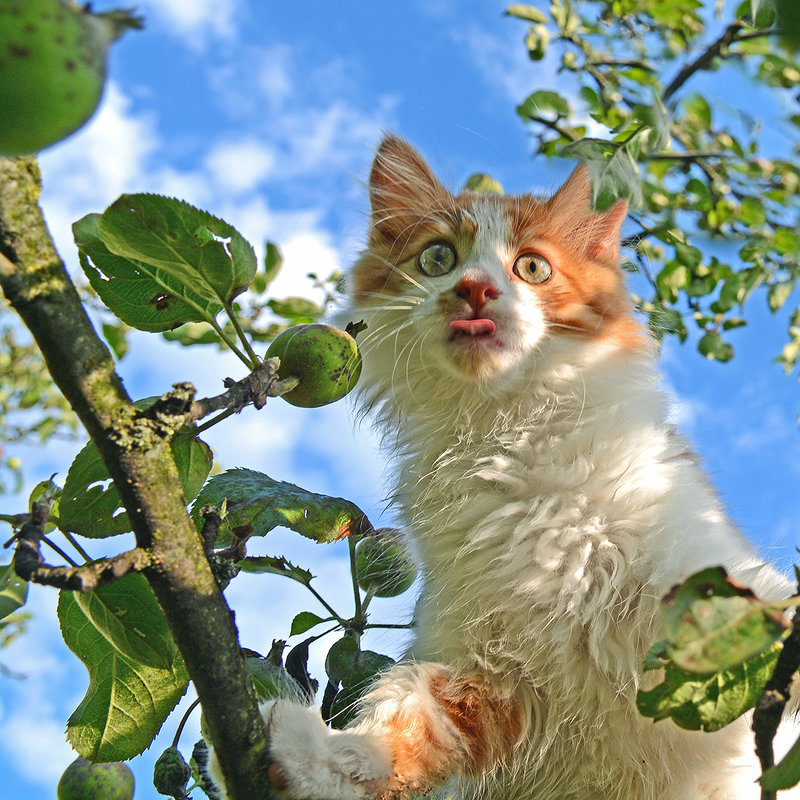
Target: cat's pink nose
point(476, 292)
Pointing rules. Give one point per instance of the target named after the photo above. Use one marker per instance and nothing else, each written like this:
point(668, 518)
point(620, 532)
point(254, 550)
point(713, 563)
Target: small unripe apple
point(83, 780)
point(383, 563)
point(52, 69)
point(324, 359)
point(171, 773)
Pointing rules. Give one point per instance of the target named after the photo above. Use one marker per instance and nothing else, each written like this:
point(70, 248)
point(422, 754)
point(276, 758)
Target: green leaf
point(202, 253)
point(787, 242)
point(713, 623)
point(543, 103)
point(524, 11)
point(671, 280)
point(140, 294)
point(536, 40)
point(127, 701)
point(697, 107)
point(273, 261)
point(785, 774)
point(614, 172)
point(779, 294)
point(713, 348)
point(304, 621)
point(116, 338)
point(708, 702)
point(355, 670)
point(253, 498)
point(126, 615)
point(13, 591)
point(276, 565)
point(481, 183)
point(341, 658)
point(296, 309)
point(193, 333)
point(90, 503)
point(655, 117)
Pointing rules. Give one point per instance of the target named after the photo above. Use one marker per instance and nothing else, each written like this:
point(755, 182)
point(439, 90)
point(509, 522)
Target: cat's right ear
point(401, 187)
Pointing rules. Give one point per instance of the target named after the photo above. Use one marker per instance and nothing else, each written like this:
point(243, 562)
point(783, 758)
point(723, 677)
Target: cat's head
point(481, 289)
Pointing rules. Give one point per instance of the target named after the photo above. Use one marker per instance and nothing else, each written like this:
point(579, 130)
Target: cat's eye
point(437, 259)
point(533, 268)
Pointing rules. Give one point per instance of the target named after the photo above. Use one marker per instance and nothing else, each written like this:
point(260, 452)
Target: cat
point(551, 504)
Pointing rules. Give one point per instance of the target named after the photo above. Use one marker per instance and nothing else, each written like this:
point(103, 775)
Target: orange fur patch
point(587, 294)
point(487, 727)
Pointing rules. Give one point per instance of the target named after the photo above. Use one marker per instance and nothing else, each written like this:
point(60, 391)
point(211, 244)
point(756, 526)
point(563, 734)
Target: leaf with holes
point(138, 293)
point(199, 252)
point(90, 503)
point(127, 701)
point(712, 623)
point(253, 498)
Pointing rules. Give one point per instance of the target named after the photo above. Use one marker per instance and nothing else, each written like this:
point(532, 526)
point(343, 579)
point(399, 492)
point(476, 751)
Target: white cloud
point(240, 165)
point(86, 172)
point(504, 63)
point(196, 21)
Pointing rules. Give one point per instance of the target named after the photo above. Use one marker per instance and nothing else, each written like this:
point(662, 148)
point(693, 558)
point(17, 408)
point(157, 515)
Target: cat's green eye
point(437, 259)
point(533, 268)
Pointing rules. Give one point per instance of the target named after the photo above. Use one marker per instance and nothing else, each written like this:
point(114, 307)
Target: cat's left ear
point(597, 233)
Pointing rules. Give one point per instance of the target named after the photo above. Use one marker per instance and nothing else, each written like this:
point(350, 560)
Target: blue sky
point(266, 114)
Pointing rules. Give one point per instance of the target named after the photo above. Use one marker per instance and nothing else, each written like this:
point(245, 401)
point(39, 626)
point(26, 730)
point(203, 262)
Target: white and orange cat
point(551, 504)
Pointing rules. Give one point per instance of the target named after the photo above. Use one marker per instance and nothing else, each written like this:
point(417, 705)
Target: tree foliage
point(712, 180)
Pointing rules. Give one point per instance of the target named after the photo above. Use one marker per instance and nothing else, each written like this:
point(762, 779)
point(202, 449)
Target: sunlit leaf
point(253, 498)
point(127, 700)
point(712, 623)
point(202, 253)
point(707, 702)
point(524, 11)
point(140, 294)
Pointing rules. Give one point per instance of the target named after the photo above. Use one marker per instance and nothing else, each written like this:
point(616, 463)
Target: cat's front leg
point(420, 724)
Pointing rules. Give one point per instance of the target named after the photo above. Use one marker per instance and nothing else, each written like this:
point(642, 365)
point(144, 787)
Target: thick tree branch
point(138, 458)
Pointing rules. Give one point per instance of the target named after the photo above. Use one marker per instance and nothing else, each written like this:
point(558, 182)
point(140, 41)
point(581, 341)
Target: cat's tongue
point(473, 327)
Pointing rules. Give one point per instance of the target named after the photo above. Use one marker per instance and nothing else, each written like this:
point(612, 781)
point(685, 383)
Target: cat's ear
point(400, 184)
point(595, 233)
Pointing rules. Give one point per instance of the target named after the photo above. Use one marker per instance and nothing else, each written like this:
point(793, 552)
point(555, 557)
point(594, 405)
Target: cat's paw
point(312, 762)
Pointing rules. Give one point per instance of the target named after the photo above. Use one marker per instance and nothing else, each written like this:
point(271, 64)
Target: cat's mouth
point(472, 327)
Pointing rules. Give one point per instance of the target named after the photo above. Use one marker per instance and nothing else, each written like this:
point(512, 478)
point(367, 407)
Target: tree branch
point(772, 703)
point(704, 61)
point(138, 458)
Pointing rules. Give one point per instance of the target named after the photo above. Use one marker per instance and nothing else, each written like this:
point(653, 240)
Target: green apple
point(383, 564)
point(52, 69)
point(324, 359)
point(83, 780)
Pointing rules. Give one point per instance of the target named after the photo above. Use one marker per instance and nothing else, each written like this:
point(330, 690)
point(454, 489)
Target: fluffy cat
point(551, 504)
